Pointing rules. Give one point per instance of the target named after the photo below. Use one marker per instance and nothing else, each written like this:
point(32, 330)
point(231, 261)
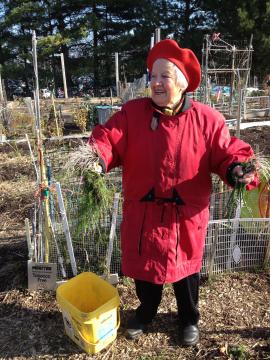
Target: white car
point(45, 93)
point(251, 91)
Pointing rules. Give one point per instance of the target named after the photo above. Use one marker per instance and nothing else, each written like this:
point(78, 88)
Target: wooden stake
point(64, 75)
point(152, 41)
point(117, 74)
point(157, 35)
point(36, 95)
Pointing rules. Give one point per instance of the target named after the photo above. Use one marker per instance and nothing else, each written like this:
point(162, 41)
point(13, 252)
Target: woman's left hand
point(246, 178)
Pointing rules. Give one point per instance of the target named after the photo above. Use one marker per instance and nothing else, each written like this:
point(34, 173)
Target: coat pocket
point(193, 225)
point(132, 227)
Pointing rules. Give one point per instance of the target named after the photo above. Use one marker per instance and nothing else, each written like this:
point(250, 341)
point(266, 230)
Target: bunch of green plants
point(93, 115)
point(238, 193)
point(237, 197)
point(94, 202)
point(238, 352)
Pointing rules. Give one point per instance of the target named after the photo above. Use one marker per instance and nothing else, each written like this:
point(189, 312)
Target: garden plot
point(234, 307)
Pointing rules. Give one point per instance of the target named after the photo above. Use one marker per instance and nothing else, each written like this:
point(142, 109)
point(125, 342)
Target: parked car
point(18, 91)
point(219, 90)
point(60, 93)
point(45, 93)
point(254, 91)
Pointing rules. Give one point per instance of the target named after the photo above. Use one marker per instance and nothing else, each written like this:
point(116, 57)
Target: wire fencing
point(238, 244)
point(134, 89)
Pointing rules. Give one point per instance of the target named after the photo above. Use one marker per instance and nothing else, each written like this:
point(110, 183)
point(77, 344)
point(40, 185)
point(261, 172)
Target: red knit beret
point(184, 59)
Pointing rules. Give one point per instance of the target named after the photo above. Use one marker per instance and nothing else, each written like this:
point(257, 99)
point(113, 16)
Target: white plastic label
point(236, 254)
point(41, 276)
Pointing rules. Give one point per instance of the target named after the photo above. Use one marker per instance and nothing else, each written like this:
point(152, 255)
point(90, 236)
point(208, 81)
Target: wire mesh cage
point(90, 243)
point(230, 245)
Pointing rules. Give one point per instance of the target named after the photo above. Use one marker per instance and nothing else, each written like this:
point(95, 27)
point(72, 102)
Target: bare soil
point(258, 137)
point(235, 311)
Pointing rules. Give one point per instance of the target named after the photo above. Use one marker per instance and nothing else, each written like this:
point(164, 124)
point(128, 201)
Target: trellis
point(225, 63)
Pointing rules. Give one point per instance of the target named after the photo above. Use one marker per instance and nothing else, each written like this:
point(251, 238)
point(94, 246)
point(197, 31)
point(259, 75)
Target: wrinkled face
point(166, 87)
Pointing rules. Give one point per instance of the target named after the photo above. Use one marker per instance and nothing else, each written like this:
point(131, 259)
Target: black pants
point(186, 293)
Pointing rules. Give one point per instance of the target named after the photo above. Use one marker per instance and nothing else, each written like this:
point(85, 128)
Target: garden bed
point(235, 312)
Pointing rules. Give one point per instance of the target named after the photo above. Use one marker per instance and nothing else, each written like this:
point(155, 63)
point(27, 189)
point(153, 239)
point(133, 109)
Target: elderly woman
point(168, 146)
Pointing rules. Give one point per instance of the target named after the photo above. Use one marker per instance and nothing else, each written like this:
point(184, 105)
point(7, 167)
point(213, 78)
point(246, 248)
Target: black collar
point(185, 106)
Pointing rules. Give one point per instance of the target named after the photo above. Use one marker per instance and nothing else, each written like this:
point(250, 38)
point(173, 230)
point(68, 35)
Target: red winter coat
point(166, 183)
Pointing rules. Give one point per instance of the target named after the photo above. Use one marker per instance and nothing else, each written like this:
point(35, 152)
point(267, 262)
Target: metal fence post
point(213, 252)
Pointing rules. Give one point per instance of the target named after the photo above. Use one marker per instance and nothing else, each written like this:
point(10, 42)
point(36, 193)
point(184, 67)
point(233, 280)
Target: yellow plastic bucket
point(90, 309)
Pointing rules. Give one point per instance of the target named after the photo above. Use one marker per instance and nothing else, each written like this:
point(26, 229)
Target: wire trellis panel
point(89, 245)
point(235, 245)
point(231, 245)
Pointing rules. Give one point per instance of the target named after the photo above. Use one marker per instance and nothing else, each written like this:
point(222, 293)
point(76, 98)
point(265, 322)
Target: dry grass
point(16, 201)
point(14, 168)
point(85, 158)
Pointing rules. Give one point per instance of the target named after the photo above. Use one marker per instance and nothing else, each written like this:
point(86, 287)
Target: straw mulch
point(17, 188)
point(16, 201)
point(14, 168)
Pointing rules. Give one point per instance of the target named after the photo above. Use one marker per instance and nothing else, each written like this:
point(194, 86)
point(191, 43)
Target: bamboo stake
point(34, 231)
point(44, 192)
point(44, 255)
point(37, 102)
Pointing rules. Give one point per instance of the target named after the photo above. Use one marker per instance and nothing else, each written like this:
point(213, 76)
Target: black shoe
point(134, 329)
point(189, 335)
